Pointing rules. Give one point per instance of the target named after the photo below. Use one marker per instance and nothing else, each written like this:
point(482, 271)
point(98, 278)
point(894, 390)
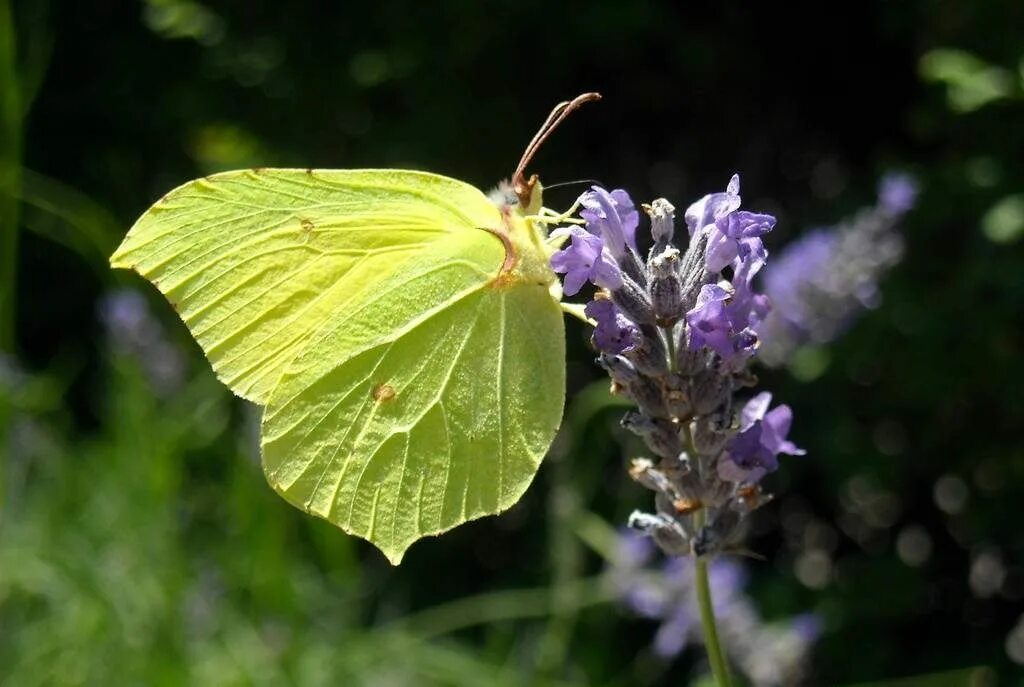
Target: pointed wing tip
point(118, 263)
point(394, 557)
point(118, 259)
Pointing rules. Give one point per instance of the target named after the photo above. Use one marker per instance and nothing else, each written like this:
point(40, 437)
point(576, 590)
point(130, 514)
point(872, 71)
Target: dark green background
point(138, 542)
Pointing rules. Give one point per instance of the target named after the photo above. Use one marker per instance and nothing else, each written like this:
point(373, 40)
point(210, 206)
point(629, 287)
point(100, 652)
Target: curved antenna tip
point(522, 186)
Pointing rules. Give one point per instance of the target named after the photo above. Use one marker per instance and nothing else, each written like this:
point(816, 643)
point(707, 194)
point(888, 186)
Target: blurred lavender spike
point(133, 332)
point(821, 282)
point(768, 654)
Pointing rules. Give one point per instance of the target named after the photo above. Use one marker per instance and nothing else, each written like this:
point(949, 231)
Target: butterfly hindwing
point(446, 422)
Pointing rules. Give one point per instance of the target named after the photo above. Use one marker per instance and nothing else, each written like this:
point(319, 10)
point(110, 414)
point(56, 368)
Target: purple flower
point(721, 321)
point(804, 262)
point(747, 308)
point(133, 331)
point(729, 225)
point(897, 193)
point(673, 634)
point(753, 452)
point(612, 216)
point(614, 332)
point(724, 243)
point(713, 206)
point(585, 260)
point(709, 321)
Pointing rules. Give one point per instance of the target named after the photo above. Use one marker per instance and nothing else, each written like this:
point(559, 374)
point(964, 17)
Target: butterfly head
point(507, 199)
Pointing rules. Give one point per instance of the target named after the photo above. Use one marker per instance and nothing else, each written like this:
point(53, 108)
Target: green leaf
point(1004, 221)
point(971, 82)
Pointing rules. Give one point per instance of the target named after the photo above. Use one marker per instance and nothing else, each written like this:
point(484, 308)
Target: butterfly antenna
point(522, 186)
point(574, 182)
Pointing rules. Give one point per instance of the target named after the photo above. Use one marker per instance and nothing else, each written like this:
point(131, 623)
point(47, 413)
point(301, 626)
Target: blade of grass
point(11, 118)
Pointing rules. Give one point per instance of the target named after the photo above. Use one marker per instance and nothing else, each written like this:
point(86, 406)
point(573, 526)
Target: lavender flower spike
point(821, 282)
point(676, 334)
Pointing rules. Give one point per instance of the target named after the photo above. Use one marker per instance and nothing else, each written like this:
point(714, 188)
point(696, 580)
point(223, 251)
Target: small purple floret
point(753, 452)
point(729, 225)
point(612, 216)
point(614, 332)
point(709, 321)
point(583, 260)
point(713, 206)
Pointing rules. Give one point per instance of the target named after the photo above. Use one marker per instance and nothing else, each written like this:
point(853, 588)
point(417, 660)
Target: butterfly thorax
point(526, 255)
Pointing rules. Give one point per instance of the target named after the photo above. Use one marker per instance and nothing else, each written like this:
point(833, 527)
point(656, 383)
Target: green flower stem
point(719, 668)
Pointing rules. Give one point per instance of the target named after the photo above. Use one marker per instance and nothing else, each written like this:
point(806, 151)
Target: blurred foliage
point(139, 543)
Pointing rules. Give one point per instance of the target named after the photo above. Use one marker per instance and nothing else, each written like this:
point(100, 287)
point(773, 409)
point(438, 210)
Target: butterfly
point(401, 329)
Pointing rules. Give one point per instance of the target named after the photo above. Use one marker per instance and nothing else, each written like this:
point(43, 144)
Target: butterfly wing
point(407, 389)
point(444, 422)
point(257, 261)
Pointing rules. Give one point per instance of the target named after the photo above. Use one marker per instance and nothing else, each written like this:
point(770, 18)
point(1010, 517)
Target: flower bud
point(718, 533)
point(666, 287)
point(618, 368)
point(660, 435)
point(662, 214)
point(633, 301)
point(649, 354)
point(677, 396)
point(642, 471)
point(711, 390)
point(692, 271)
point(711, 434)
point(667, 533)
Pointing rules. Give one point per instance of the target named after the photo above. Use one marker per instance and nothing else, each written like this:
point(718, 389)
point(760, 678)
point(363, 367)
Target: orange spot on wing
point(383, 392)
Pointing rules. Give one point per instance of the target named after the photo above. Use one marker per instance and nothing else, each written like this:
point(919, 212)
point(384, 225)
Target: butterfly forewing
point(256, 262)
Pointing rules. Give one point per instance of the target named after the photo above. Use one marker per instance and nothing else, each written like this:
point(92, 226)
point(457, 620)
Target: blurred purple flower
point(133, 332)
point(820, 282)
point(768, 654)
point(897, 193)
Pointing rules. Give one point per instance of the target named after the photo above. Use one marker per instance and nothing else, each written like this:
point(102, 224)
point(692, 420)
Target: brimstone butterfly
point(402, 330)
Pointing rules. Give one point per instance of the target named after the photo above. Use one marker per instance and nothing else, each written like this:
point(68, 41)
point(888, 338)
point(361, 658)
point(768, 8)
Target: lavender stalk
point(676, 333)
